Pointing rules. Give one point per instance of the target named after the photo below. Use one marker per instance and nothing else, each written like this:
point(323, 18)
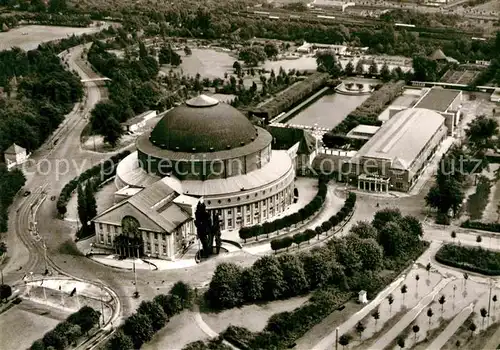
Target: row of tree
point(389, 241)
point(93, 177)
point(325, 227)
point(287, 221)
point(150, 317)
point(10, 183)
point(69, 331)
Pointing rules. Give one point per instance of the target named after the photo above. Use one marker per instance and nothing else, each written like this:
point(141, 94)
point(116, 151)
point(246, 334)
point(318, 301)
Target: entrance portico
point(373, 183)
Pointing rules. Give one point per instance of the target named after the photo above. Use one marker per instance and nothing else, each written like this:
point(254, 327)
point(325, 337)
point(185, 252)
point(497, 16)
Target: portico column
point(359, 184)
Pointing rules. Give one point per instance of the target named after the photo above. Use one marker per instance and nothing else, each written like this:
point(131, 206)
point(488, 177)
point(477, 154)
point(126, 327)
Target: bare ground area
point(254, 317)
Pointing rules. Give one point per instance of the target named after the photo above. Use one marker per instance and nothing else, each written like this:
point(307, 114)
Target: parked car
point(53, 198)
point(26, 193)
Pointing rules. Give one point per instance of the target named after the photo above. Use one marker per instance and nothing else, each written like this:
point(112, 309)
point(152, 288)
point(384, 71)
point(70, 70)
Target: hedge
point(478, 225)
point(475, 259)
point(307, 235)
point(289, 220)
point(293, 95)
point(100, 173)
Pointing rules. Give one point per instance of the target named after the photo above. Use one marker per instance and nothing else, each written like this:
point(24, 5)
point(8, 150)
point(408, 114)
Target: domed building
point(206, 150)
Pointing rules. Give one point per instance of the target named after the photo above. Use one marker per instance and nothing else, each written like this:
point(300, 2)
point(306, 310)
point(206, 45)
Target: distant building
point(301, 145)
point(446, 102)
point(15, 155)
point(332, 4)
point(439, 56)
point(311, 47)
point(138, 122)
point(398, 152)
point(364, 132)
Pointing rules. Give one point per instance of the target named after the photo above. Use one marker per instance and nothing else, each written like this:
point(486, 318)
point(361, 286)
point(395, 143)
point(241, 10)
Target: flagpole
point(135, 280)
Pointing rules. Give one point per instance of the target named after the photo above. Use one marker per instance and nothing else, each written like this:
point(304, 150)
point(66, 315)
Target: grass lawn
point(21, 327)
point(254, 317)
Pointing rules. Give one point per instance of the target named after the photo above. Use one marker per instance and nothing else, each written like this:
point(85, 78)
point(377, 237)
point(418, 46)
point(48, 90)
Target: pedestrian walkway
point(328, 341)
point(386, 339)
point(452, 327)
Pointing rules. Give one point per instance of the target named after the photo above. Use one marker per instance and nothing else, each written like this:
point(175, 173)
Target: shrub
point(475, 259)
point(289, 220)
point(224, 289)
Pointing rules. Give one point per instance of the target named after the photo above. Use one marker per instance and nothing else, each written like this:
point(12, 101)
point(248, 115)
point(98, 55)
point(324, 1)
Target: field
point(29, 37)
point(459, 77)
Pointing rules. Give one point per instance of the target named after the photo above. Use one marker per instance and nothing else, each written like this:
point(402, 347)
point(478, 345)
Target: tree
point(428, 268)
point(415, 330)
point(472, 328)
point(143, 52)
point(251, 284)
point(344, 340)
point(185, 292)
point(252, 56)
point(171, 304)
point(373, 69)
point(390, 300)
point(86, 318)
point(430, 313)
point(363, 229)
point(90, 204)
point(272, 278)
point(479, 239)
point(401, 342)
point(480, 133)
point(442, 300)
point(39, 345)
point(483, 313)
point(187, 51)
point(271, 50)
point(56, 6)
point(417, 278)
point(139, 328)
point(5, 292)
point(349, 68)
point(384, 216)
point(466, 277)
point(376, 316)
point(494, 301)
point(203, 229)
point(294, 275)
point(385, 73)
point(225, 290)
point(360, 69)
point(165, 55)
point(370, 254)
point(237, 68)
point(82, 208)
point(113, 131)
point(154, 312)
point(453, 235)
point(3, 248)
point(404, 290)
point(360, 328)
point(424, 69)
point(327, 62)
point(393, 239)
point(120, 341)
point(316, 267)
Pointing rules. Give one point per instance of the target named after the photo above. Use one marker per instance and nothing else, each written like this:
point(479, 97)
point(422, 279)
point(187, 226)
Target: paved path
point(206, 328)
point(329, 341)
point(409, 317)
point(452, 327)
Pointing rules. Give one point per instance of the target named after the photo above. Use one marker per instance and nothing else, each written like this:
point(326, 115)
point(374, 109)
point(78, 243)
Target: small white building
point(138, 122)
point(15, 155)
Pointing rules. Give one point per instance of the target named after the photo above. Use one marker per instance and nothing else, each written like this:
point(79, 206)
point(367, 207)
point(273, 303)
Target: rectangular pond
point(328, 111)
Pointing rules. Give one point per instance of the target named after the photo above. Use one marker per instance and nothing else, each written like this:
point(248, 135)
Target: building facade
point(15, 155)
point(200, 150)
point(394, 158)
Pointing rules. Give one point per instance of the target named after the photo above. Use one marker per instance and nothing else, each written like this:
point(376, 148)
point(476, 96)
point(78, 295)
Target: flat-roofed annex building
point(395, 156)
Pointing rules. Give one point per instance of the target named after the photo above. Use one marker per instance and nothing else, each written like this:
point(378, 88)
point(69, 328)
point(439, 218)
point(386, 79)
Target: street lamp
point(149, 263)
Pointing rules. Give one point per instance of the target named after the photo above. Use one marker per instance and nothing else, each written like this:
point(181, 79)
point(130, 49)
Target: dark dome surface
point(203, 125)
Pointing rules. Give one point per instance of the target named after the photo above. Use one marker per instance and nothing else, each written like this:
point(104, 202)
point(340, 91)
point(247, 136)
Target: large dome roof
point(203, 125)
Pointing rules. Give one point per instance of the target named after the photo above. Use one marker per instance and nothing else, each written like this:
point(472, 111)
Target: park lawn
point(254, 317)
